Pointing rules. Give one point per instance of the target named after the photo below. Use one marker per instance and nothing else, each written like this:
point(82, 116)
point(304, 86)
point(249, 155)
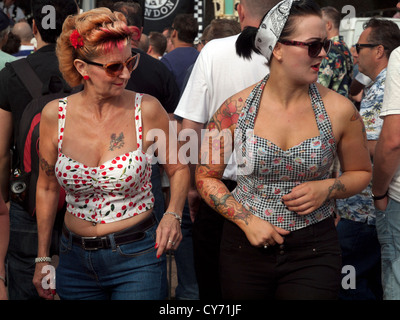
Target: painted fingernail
point(158, 257)
point(156, 246)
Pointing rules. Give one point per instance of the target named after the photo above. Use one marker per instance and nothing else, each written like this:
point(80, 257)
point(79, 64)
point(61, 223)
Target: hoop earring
point(86, 77)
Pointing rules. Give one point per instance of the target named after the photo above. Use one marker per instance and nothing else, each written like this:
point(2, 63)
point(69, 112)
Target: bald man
point(24, 31)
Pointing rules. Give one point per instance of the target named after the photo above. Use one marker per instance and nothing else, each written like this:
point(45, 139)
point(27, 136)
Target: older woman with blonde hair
point(93, 144)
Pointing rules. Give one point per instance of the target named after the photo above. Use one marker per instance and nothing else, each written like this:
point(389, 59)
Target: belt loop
point(112, 242)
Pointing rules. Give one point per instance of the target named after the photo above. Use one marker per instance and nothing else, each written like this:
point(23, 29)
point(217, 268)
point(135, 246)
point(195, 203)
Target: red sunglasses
point(314, 48)
point(114, 69)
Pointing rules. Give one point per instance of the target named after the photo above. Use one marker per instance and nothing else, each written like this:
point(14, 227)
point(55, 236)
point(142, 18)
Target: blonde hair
point(100, 29)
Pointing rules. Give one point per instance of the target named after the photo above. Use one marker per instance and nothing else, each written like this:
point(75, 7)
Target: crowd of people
point(254, 153)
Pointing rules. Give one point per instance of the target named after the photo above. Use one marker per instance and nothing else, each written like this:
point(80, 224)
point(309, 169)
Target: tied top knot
point(76, 39)
point(271, 28)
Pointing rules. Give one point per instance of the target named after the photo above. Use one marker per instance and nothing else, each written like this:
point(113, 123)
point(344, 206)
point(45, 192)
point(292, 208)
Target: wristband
point(177, 216)
point(42, 259)
point(379, 197)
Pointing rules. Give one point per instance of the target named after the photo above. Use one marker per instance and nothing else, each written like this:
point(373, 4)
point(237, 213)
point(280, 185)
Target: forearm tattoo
point(47, 168)
point(116, 142)
point(337, 185)
point(219, 198)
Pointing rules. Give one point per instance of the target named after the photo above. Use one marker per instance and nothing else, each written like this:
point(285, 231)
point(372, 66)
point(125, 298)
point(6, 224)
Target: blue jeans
point(187, 288)
point(125, 272)
point(361, 249)
point(388, 228)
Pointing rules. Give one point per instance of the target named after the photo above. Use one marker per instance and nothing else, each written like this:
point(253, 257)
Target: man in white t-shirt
point(386, 180)
point(217, 74)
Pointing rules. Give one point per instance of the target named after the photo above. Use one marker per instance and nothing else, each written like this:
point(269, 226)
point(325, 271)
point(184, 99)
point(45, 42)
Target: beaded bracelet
point(177, 216)
point(42, 259)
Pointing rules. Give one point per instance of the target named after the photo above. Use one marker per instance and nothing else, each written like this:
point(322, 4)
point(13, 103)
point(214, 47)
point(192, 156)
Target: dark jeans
point(187, 288)
point(21, 254)
point(22, 251)
point(307, 266)
point(361, 249)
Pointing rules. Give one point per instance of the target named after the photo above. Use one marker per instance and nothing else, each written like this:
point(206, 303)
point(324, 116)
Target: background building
point(159, 14)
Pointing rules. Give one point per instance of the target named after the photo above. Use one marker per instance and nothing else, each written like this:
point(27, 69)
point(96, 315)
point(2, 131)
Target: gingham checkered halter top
point(271, 172)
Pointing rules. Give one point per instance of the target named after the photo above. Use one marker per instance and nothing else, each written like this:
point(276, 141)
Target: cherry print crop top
point(117, 189)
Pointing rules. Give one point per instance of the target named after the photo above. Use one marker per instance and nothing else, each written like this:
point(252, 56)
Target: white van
point(351, 28)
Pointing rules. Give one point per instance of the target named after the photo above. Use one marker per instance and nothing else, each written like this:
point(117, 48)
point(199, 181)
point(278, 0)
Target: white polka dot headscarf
point(271, 28)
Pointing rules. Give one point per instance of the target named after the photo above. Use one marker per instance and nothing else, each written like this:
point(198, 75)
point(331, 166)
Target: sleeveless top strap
point(322, 118)
point(62, 111)
point(250, 110)
point(138, 120)
point(247, 116)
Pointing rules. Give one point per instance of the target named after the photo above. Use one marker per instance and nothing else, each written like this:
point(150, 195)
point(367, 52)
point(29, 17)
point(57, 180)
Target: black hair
point(62, 9)
point(245, 43)
point(187, 27)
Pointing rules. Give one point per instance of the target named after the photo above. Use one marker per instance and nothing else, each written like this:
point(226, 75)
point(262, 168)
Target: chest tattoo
point(117, 142)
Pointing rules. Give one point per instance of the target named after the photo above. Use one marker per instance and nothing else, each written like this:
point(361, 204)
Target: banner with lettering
point(159, 14)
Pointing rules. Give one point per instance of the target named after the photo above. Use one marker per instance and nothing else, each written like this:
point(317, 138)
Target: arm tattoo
point(213, 191)
point(116, 142)
point(356, 116)
point(337, 185)
point(47, 168)
point(220, 199)
point(227, 115)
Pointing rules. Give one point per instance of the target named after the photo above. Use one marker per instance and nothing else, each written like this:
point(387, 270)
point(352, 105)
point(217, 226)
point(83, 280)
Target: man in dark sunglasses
point(358, 229)
point(336, 69)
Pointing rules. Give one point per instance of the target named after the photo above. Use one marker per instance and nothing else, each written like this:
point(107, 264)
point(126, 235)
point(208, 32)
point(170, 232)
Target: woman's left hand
point(306, 197)
point(169, 234)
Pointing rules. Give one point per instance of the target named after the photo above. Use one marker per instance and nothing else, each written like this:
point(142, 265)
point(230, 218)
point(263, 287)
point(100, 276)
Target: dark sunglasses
point(314, 48)
point(114, 69)
point(359, 46)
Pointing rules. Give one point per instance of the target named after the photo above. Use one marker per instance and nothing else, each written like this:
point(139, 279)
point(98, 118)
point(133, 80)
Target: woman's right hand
point(47, 294)
point(3, 291)
point(260, 232)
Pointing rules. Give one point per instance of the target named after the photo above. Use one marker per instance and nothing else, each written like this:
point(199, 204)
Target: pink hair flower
point(76, 39)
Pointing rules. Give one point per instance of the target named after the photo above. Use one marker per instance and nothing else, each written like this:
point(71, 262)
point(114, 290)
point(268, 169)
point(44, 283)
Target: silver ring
point(265, 246)
point(171, 242)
